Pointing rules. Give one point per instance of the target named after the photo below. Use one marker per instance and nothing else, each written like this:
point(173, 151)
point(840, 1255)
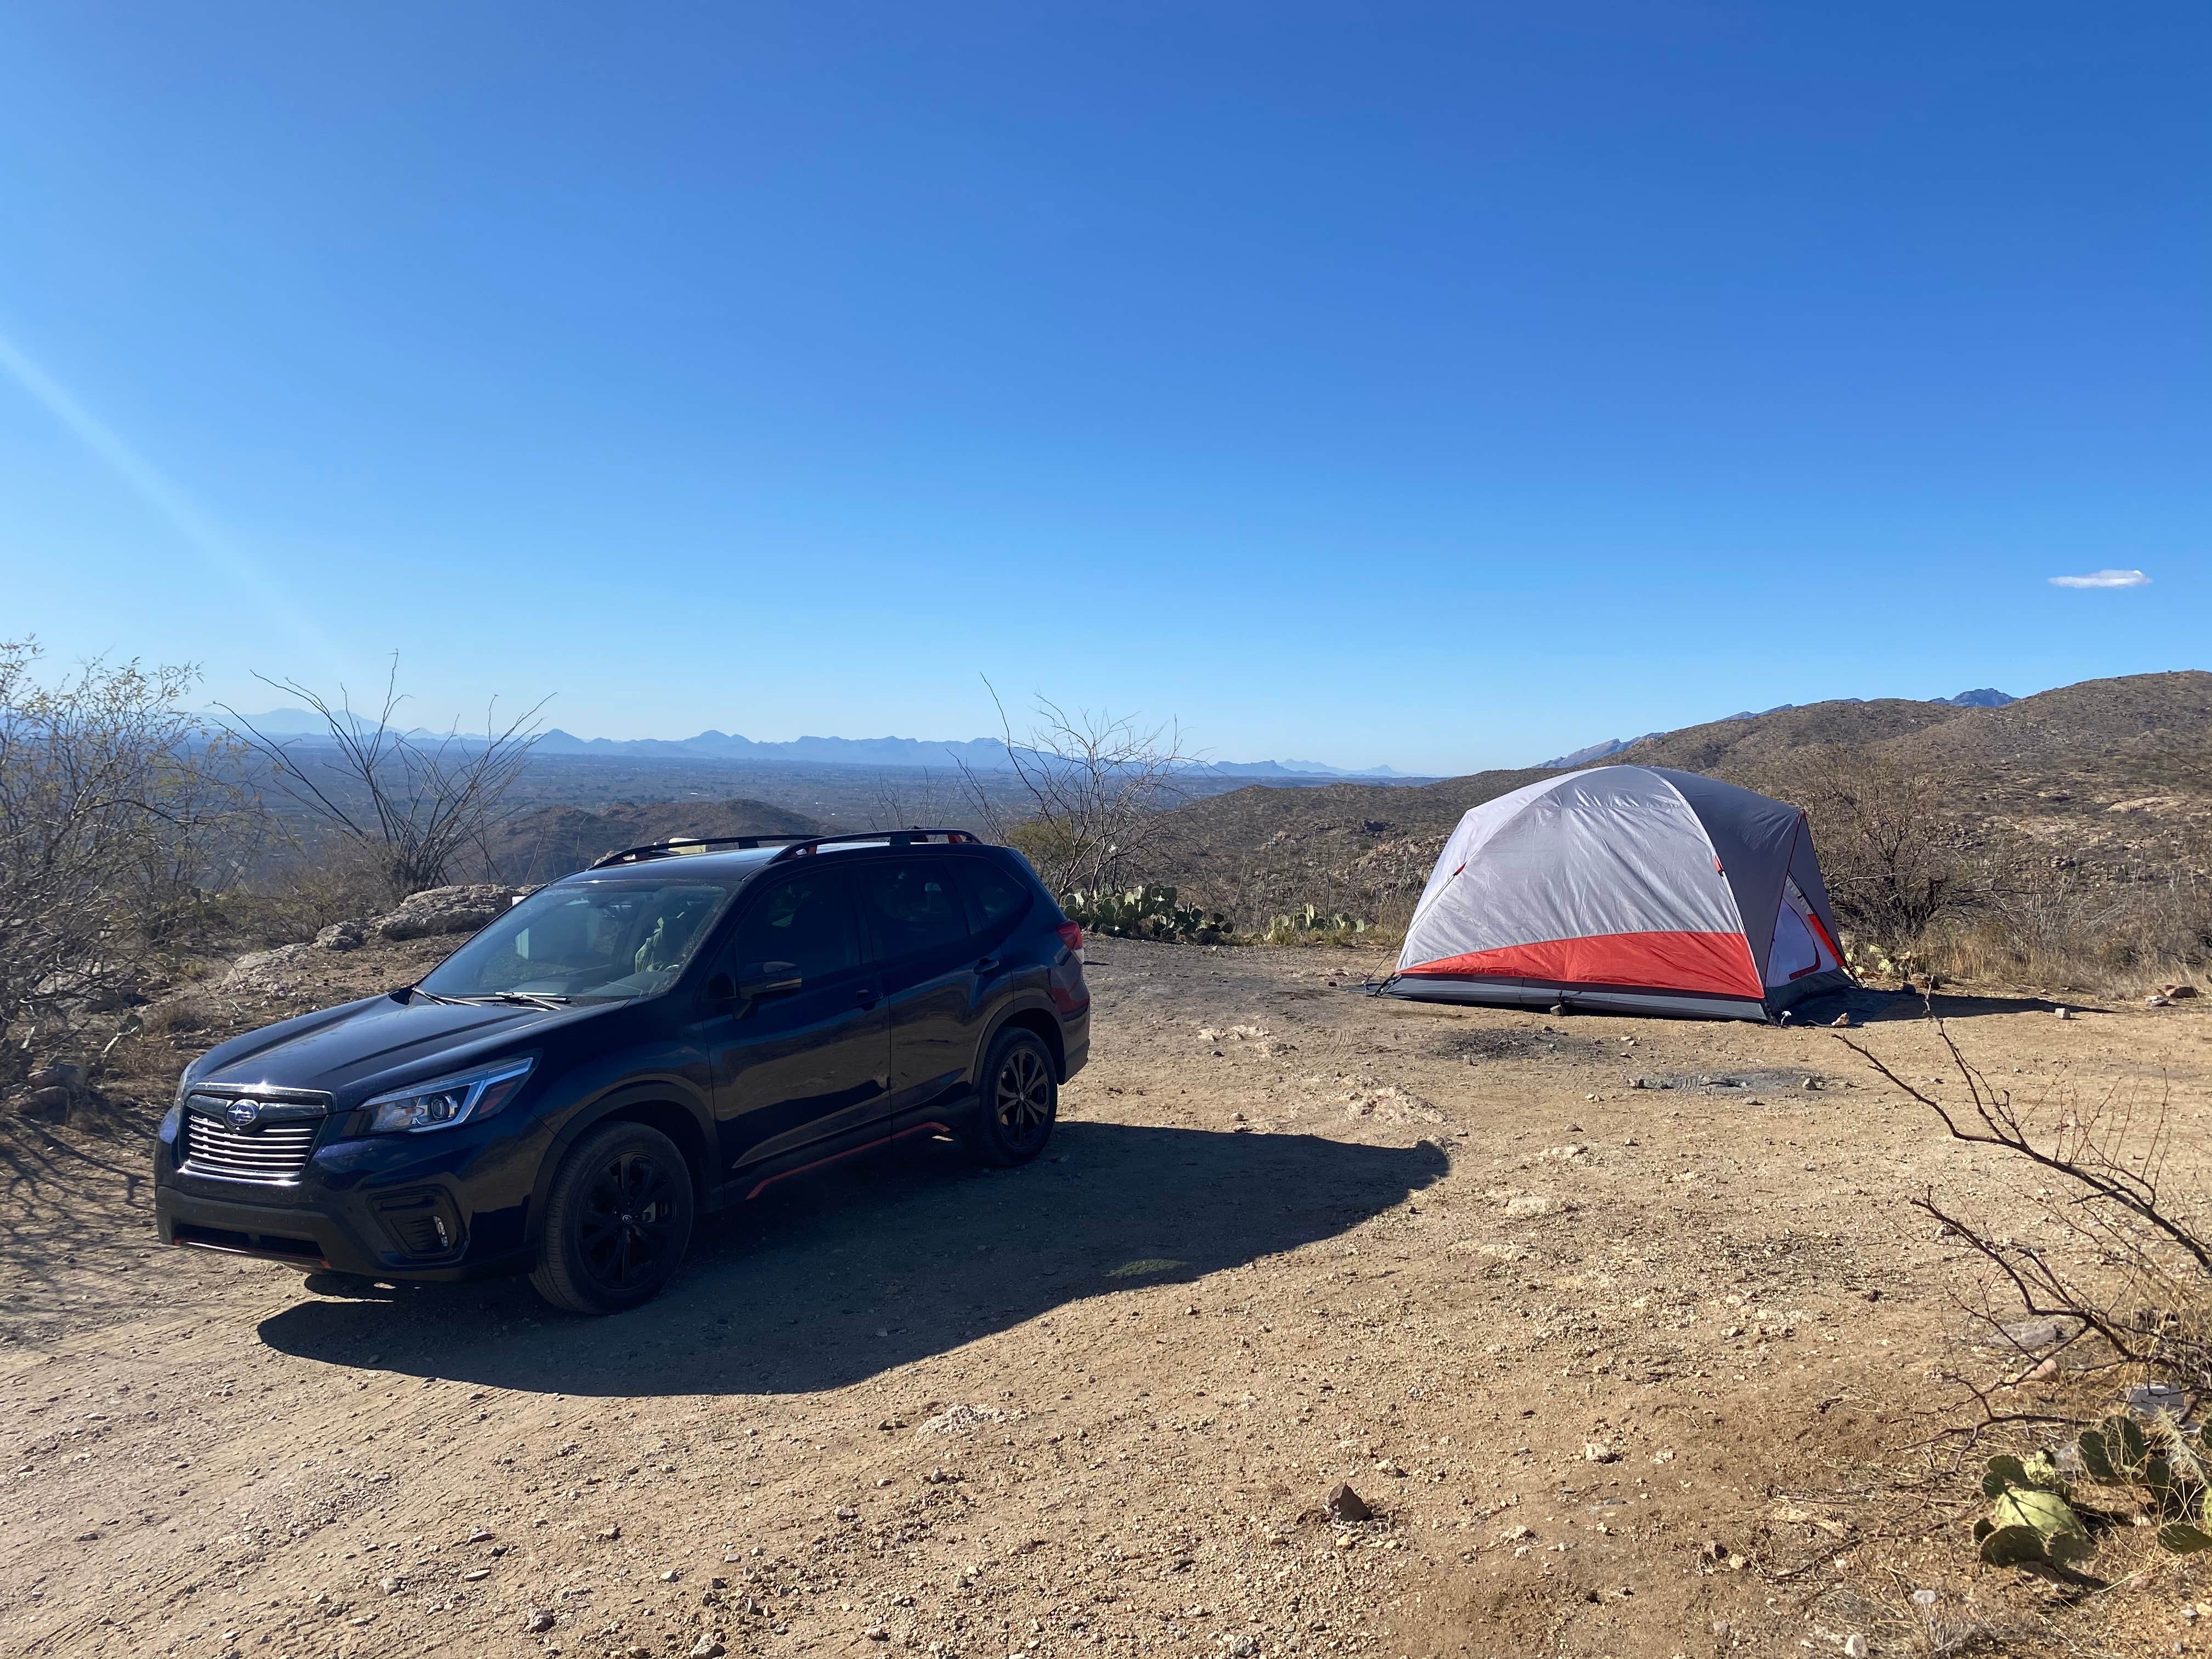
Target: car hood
point(364, 1047)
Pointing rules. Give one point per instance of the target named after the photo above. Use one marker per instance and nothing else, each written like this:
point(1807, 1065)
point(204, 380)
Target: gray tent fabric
point(1635, 887)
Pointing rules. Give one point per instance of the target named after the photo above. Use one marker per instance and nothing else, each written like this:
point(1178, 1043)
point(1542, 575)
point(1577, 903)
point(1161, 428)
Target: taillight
point(1071, 935)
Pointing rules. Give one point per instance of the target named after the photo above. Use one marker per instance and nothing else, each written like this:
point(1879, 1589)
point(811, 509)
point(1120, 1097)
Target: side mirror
point(769, 979)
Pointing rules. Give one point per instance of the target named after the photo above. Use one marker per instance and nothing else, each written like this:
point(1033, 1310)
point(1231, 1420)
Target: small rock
point(1236, 1644)
point(1347, 1506)
point(475, 1574)
point(610, 1534)
point(961, 1419)
point(48, 1105)
point(2154, 1001)
point(1924, 1598)
point(2032, 1334)
point(1855, 1646)
point(708, 1648)
point(1597, 1451)
point(1557, 1008)
point(877, 1633)
point(2064, 1013)
point(669, 1576)
point(478, 1536)
point(389, 1586)
point(1843, 1019)
point(637, 1650)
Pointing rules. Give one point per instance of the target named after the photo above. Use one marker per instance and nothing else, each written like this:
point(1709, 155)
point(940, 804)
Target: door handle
point(988, 964)
point(865, 997)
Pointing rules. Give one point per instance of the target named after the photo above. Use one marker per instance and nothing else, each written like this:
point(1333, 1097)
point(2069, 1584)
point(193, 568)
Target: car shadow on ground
point(847, 1275)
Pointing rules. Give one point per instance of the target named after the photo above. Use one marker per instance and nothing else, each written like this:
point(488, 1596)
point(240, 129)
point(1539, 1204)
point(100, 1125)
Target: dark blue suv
point(676, 1028)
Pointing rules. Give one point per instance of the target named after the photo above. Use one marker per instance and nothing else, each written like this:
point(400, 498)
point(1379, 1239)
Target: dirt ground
point(1622, 1370)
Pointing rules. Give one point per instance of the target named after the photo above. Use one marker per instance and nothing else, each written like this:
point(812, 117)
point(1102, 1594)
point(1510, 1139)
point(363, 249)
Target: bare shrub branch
point(418, 805)
point(1885, 851)
point(2135, 1264)
point(1096, 784)
point(115, 807)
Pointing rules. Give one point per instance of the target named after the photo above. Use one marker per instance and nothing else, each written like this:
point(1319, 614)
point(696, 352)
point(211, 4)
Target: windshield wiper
point(451, 1002)
point(529, 998)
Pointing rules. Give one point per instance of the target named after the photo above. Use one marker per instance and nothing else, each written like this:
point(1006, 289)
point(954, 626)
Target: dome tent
point(1625, 888)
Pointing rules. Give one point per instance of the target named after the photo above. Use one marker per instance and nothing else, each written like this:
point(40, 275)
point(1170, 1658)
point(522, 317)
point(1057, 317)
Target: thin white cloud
point(164, 497)
point(2104, 579)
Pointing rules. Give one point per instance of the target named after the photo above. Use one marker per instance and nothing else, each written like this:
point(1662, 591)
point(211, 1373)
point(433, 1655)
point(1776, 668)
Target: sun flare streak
point(164, 497)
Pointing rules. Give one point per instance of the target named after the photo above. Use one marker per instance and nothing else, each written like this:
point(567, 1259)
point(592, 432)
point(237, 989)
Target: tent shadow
point(848, 1276)
point(1870, 1007)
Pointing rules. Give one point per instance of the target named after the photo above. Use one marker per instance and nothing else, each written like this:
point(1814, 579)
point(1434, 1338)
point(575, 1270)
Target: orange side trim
point(1665, 962)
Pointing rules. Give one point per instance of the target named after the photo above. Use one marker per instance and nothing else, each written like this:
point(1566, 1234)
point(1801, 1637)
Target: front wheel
point(616, 1221)
point(1020, 1100)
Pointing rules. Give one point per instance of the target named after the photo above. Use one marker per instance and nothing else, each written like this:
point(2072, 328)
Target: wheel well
point(1036, 1020)
point(678, 1125)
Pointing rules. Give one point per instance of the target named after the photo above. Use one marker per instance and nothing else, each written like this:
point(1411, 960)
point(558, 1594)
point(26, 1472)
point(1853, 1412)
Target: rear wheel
point(616, 1221)
point(1020, 1100)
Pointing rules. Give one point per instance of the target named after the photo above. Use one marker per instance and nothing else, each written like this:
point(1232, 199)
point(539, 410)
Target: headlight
point(443, 1102)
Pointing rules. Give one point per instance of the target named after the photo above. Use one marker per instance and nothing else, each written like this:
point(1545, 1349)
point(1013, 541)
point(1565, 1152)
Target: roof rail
point(683, 846)
point(793, 846)
point(907, 837)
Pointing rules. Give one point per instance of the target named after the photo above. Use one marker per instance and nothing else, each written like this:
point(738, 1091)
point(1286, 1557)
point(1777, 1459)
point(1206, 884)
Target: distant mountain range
point(1983, 697)
point(983, 754)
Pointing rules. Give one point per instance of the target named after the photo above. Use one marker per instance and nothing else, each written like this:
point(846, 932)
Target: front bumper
point(404, 1207)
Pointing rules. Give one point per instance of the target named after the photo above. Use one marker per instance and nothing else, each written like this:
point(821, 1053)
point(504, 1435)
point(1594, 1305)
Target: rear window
point(910, 906)
point(994, 898)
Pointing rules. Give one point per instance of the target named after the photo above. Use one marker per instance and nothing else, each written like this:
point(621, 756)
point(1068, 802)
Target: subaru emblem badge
point(243, 1114)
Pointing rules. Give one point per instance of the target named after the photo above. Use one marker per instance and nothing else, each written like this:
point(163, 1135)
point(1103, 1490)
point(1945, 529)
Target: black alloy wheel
point(624, 1227)
point(1021, 1099)
point(616, 1221)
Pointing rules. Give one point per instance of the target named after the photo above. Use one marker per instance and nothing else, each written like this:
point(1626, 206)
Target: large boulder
point(267, 970)
point(458, 909)
point(346, 935)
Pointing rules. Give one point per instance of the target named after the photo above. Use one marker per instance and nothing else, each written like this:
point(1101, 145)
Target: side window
point(911, 906)
point(994, 898)
point(804, 919)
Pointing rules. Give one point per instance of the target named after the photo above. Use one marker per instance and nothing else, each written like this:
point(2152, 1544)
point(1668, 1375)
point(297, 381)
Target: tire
point(1020, 1100)
point(616, 1221)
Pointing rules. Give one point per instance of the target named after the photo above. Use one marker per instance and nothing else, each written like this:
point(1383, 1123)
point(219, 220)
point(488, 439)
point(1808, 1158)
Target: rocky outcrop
point(460, 909)
point(427, 915)
point(264, 970)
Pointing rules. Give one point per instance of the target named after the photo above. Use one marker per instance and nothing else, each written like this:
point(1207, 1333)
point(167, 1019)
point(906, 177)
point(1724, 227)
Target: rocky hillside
point(2113, 776)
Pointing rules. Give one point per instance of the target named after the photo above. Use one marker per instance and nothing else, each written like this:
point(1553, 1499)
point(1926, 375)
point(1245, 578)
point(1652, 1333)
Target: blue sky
point(1443, 387)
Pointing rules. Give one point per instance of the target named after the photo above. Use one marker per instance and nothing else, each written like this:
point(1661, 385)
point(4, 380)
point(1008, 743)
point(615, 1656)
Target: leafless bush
point(2044, 920)
point(1096, 785)
point(2123, 1255)
point(116, 808)
point(1891, 866)
point(906, 799)
point(420, 807)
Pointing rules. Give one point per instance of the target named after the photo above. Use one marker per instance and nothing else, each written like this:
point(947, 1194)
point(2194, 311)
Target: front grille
point(273, 1152)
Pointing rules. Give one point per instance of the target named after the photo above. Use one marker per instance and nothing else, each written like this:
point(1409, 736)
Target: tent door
point(1799, 945)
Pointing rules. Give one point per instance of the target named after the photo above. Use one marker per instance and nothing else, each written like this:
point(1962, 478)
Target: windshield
point(596, 940)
